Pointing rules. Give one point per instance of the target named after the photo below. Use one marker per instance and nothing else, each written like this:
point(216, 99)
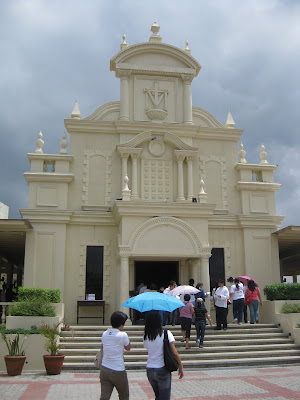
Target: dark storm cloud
point(54, 52)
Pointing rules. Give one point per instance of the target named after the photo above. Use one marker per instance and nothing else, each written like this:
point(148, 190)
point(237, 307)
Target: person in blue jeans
point(200, 321)
point(158, 376)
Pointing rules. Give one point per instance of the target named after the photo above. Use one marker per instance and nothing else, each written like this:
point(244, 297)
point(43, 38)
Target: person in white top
point(167, 291)
point(158, 376)
point(238, 300)
point(112, 371)
point(221, 297)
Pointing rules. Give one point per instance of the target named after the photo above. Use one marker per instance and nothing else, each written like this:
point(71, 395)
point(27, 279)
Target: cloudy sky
point(54, 52)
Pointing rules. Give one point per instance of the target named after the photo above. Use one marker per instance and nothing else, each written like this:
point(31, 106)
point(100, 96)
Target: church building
point(153, 188)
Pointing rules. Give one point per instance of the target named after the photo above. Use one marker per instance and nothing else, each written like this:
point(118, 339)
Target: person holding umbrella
point(159, 377)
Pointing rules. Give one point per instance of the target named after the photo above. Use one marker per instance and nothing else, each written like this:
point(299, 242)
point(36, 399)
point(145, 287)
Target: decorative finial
point(229, 121)
point(126, 192)
point(155, 37)
point(202, 196)
point(76, 112)
point(242, 154)
point(63, 144)
point(124, 45)
point(263, 155)
point(187, 49)
point(39, 143)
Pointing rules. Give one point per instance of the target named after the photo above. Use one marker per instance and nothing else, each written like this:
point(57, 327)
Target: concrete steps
point(259, 344)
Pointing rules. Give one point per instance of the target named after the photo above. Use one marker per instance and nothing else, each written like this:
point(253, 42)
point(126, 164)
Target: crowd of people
point(193, 311)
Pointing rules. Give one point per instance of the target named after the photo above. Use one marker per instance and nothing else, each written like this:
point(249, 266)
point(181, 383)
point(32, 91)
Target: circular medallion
point(156, 147)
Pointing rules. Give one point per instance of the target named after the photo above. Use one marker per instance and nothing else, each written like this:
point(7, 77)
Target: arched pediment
point(107, 112)
point(162, 135)
point(166, 236)
point(204, 118)
point(152, 56)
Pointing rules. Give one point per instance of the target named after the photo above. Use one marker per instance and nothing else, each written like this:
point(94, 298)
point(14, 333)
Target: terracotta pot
point(14, 364)
point(53, 364)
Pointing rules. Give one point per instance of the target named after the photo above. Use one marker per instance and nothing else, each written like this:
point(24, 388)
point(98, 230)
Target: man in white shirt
point(221, 297)
point(112, 371)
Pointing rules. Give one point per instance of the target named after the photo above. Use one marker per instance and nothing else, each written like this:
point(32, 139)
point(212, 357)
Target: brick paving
point(277, 383)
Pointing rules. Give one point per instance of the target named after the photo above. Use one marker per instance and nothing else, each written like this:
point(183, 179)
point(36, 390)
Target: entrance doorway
point(156, 273)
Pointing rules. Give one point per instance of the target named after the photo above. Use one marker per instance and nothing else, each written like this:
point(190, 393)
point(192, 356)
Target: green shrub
point(32, 309)
point(38, 295)
point(33, 330)
point(291, 308)
point(282, 291)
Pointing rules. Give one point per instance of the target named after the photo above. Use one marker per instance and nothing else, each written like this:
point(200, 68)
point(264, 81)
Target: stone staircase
point(241, 345)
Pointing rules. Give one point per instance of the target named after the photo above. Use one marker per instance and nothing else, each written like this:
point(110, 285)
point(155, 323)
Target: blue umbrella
point(153, 301)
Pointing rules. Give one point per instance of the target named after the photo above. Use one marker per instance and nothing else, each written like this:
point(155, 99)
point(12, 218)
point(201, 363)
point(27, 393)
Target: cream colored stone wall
point(162, 146)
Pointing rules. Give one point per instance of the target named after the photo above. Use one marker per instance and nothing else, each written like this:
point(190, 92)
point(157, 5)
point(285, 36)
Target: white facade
point(4, 210)
point(149, 178)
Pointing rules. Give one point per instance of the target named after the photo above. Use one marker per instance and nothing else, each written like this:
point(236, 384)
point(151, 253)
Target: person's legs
point(106, 384)
point(188, 332)
point(245, 314)
point(174, 317)
point(240, 310)
point(198, 329)
point(151, 375)
point(218, 317)
point(235, 310)
point(183, 328)
point(255, 306)
point(164, 377)
point(120, 381)
point(202, 328)
point(166, 318)
point(252, 312)
point(224, 312)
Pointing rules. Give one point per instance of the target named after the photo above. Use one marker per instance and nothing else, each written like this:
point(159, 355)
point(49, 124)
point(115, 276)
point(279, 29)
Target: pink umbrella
point(245, 279)
point(184, 289)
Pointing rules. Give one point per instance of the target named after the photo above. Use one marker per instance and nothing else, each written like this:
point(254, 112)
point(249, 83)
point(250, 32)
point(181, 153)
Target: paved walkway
point(277, 383)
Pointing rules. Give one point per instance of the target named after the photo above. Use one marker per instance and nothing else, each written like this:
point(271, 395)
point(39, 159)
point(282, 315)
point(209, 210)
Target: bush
point(282, 291)
point(38, 295)
point(291, 308)
point(33, 330)
point(32, 309)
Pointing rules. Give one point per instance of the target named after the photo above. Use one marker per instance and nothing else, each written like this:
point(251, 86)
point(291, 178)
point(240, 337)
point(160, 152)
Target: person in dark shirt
point(200, 320)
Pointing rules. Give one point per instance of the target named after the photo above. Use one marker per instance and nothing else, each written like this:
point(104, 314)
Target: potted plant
point(16, 354)
point(53, 361)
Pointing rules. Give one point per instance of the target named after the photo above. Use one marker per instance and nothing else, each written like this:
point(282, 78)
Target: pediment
point(204, 118)
point(164, 136)
point(107, 112)
point(155, 57)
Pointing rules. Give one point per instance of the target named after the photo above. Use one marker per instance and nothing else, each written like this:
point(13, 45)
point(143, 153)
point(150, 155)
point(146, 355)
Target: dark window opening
point(94, 271)
point(158, 273)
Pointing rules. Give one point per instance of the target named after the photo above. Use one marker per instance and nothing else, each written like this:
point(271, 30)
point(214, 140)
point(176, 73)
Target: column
point(124, 157)
point(124, 95)
point(124, 281)
point(187, 99)
point(189, 160)
point(180, 158)
point(135, 154)
point(204, 277)
point(195, 266)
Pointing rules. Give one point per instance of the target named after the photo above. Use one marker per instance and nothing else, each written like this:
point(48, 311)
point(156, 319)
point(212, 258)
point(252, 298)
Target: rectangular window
point(94, 271)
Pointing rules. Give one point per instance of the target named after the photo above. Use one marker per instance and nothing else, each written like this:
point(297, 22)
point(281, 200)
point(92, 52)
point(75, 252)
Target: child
point(200, 321)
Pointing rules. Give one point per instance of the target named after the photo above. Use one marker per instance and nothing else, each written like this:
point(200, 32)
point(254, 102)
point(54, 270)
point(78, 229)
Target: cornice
point(50, 157)
point(48, 177)
point(43, 215)
point(92, 218)
point(134, 127)
point(155, 209)
point(245, 221)
point(258, 186)
point(255, 167)
point(260, 221)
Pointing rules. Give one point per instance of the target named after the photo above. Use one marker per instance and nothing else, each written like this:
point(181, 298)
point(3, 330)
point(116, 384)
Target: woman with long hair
point(238, 300)
point(253, 294)
point(158, 376)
